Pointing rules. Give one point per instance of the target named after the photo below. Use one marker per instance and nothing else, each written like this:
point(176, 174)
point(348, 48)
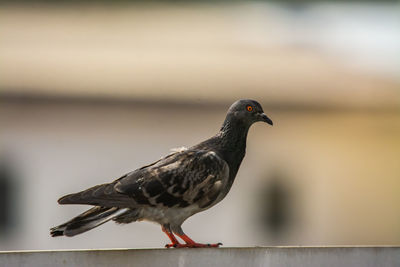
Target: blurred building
point(90, 92)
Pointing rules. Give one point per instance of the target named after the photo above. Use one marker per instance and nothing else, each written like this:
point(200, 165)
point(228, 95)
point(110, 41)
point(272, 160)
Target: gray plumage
point(173, 188)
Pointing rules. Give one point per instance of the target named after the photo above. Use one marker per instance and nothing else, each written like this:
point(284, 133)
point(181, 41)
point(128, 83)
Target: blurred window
point(7, 192)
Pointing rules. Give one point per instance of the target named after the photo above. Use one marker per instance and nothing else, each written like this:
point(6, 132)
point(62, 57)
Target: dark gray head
point(248, 112)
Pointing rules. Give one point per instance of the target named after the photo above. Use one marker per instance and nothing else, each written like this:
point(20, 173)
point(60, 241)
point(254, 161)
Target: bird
point(173, 188)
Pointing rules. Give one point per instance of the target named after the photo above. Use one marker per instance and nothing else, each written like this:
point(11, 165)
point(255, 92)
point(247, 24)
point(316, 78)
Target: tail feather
point(88, 220)
point(103, 195)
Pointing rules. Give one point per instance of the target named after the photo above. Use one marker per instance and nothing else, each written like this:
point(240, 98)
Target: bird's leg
point(168, 232)
point(189, 242)
point(192, 244)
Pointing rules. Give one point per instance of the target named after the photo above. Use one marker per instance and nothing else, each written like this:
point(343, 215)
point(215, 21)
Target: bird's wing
point(179, 179)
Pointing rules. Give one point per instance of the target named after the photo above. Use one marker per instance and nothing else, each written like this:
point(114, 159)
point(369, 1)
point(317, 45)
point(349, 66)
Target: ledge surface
point(255, 256)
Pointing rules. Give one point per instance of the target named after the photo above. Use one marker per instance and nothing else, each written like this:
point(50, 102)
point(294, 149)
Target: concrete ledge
point(258, 256)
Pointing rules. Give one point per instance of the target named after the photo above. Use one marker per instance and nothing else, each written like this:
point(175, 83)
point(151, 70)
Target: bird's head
point(248, 111)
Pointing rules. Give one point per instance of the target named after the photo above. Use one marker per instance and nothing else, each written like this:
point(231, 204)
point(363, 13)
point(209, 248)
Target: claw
point(214, 245)
point(171, 245)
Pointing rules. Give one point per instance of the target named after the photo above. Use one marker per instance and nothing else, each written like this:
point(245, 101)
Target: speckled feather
point(178, 180)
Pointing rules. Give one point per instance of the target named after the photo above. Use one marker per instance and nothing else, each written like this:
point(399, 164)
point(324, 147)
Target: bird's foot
point(193, 245)
point(199, 245)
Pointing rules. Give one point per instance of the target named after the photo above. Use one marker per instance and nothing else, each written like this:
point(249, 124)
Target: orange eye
point(249, 108)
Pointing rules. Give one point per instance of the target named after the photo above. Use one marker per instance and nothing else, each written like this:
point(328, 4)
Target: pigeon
point(170, 190)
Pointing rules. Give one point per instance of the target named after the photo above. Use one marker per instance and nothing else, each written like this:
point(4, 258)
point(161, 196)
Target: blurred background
point(90, 90)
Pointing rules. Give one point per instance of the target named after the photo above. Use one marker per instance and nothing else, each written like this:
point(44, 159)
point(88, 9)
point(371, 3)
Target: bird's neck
point(233, 135)
point(232, 142)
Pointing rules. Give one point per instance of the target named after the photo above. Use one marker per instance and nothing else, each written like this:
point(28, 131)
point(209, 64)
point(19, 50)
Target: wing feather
point(180, 179)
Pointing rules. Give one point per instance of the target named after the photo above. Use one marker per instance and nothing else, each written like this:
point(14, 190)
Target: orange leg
point(191, 244)
point(174, 241)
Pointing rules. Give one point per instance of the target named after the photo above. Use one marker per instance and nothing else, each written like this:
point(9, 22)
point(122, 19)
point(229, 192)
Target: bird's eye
point(249, 108)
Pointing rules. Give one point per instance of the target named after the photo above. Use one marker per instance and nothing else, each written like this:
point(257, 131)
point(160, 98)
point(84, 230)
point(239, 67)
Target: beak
point(265, 118)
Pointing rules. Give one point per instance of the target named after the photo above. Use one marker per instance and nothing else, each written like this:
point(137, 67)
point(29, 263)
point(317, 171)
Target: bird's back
point(181, 179)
